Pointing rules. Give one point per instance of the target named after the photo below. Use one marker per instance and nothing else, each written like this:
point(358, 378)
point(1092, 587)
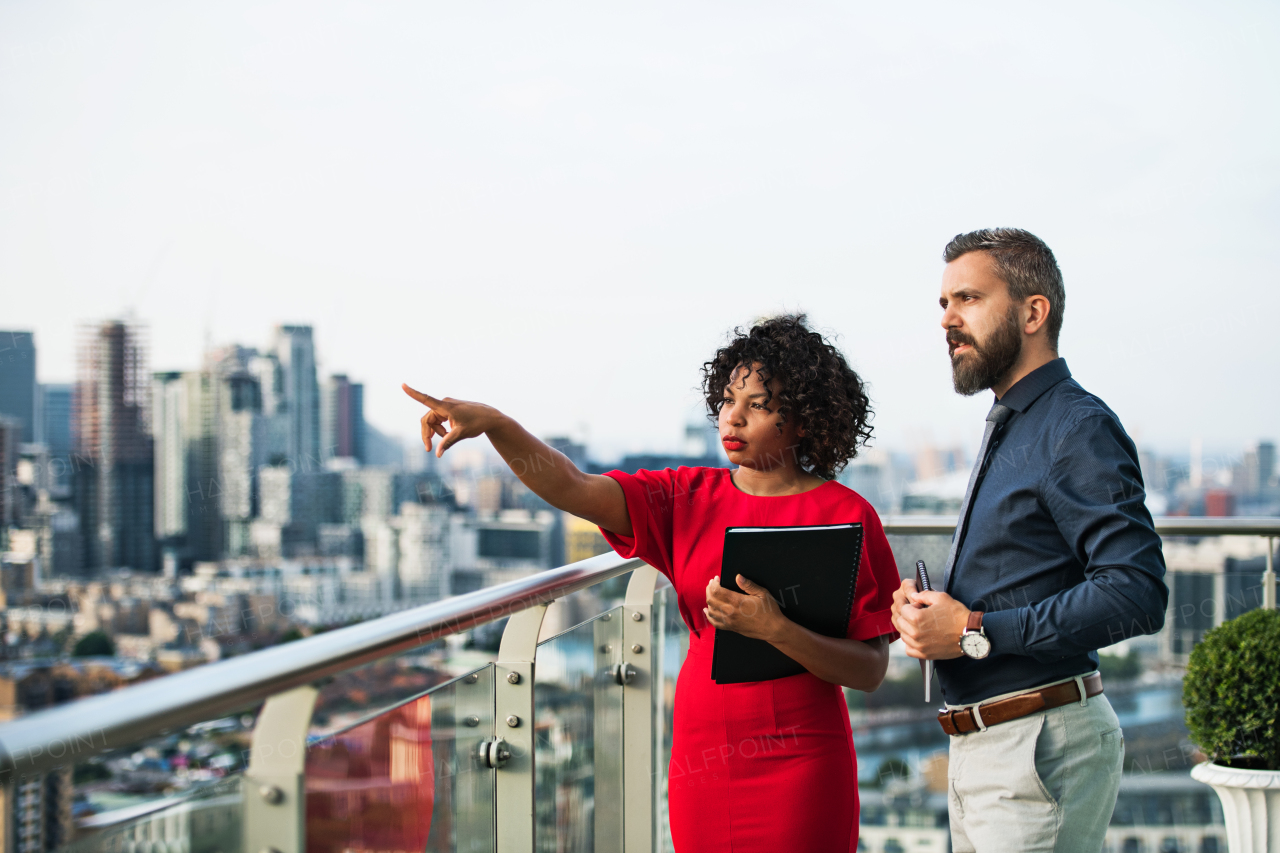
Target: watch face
point(975, 645)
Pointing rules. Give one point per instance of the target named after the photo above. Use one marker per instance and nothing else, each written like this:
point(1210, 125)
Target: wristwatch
point(974, 642)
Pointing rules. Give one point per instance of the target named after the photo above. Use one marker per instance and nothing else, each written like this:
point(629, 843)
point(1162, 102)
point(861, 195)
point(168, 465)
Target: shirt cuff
point(1004, 630)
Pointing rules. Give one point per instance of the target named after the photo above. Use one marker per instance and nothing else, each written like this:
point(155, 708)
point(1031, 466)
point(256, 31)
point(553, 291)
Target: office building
point(35, 810)
point(582, 539)
point(294, 504)
point(488, 549)
point(423, 549)
point(1266, 454)
point(112, 456)
point(1255, 473)
point(187, 488)
point(241, 438)
point(265, 368)
point(18, 382)
point(342, 432)
point(10, 429)
point(298, 401)
point(54, 418)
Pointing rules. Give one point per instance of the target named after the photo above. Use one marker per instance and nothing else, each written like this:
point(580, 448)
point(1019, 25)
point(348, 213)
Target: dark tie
point(997, 416)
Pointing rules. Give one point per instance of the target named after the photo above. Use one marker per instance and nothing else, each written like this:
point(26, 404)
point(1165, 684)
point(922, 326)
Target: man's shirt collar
point(1029, 388)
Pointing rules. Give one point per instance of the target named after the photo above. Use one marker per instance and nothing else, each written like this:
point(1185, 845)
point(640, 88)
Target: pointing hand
point(466, 420)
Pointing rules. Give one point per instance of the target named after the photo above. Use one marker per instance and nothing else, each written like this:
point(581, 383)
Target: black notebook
point(811, 571)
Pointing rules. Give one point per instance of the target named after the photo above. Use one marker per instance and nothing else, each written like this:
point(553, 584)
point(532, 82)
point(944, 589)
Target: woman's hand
point(550, 474)
point(859, 664)
point(466, 420)
point(755, 614)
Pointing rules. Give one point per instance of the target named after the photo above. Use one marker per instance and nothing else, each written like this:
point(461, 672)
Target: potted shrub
point(1232, 697)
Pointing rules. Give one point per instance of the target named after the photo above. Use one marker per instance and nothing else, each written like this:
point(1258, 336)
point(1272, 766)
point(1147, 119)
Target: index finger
point(424, 399)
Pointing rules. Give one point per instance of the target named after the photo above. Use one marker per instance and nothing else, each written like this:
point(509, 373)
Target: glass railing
point(408, 778)
point(206, 818)
point(555, 738)
point(577, 719)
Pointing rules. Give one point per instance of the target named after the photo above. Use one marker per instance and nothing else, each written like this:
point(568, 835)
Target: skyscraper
point(18, 382)
point(10, 428)
point(1266, 453)
point(241, 432)
point(342, 432)
point(295, 351)
point(55, 433)
point(187, 491)
point(112, 457)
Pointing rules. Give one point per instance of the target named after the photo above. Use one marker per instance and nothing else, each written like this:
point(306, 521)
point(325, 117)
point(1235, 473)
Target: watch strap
point(975, 622)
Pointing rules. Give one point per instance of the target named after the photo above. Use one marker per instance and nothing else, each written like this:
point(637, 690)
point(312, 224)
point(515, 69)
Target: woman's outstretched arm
point(546, 471)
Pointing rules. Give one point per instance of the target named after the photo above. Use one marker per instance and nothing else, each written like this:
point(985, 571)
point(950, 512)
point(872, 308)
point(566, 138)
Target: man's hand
point(755, 614)
point(930, 622)
point(466, 420)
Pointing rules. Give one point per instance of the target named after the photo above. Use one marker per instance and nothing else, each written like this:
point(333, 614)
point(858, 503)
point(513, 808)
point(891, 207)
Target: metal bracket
point(274, 783)
point(513, 698)
point(1269, 577)
point(638, 671)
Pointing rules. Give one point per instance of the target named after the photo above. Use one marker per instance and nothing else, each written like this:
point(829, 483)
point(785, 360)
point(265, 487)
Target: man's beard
point(987, 363)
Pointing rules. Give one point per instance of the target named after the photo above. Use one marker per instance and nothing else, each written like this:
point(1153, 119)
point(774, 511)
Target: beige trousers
point(1045, 782)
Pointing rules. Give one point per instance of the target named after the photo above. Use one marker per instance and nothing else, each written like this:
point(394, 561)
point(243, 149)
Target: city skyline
point(583, 208)
point(336, 381)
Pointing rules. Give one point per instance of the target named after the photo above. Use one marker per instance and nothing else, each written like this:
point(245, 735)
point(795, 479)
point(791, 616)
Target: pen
point(926, 666)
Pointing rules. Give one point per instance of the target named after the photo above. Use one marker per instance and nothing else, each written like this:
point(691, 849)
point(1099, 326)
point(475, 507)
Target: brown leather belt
point(1011, 708)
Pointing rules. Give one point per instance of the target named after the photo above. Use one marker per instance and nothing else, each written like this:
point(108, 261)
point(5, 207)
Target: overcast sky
point(561, 209)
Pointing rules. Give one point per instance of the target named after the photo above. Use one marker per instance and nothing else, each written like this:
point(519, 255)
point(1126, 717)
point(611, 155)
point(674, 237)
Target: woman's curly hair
point(817, 387)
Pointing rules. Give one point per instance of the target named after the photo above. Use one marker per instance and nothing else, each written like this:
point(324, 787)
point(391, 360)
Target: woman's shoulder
point(848, 500)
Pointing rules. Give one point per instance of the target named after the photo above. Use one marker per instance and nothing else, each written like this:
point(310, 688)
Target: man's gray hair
point(1023, 262)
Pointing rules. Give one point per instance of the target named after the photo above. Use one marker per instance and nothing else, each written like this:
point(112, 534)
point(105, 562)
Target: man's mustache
point(955, 338)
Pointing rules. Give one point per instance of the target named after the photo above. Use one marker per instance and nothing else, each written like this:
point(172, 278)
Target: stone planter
point(1250, 805)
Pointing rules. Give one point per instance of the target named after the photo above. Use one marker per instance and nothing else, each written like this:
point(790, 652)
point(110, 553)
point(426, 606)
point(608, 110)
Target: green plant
point(92, 644)
point(1120, 668)
point(1232, 692)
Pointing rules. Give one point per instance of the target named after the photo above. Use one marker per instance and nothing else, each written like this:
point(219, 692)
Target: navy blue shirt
point(1059, 550)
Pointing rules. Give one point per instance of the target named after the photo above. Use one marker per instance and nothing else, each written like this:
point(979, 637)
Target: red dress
point(766, 765)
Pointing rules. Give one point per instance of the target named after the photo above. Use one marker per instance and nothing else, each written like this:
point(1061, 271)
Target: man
point(1054, 557)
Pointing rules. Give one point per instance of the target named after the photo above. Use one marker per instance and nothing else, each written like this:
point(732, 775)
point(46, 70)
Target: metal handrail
point(1169, 525)
point(77, 730)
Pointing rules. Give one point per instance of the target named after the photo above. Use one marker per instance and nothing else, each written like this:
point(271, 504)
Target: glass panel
point(168, 788)
point(671, 644)
point(205, 819)
point(409, 778)
point(578, 607)
point(578, 738)
point(359, 693)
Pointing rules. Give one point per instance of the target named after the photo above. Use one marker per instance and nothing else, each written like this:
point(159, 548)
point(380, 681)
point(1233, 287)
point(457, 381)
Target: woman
point(756, 766)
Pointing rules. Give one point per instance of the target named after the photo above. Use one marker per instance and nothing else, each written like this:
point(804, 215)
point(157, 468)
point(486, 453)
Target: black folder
point(810, 571)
